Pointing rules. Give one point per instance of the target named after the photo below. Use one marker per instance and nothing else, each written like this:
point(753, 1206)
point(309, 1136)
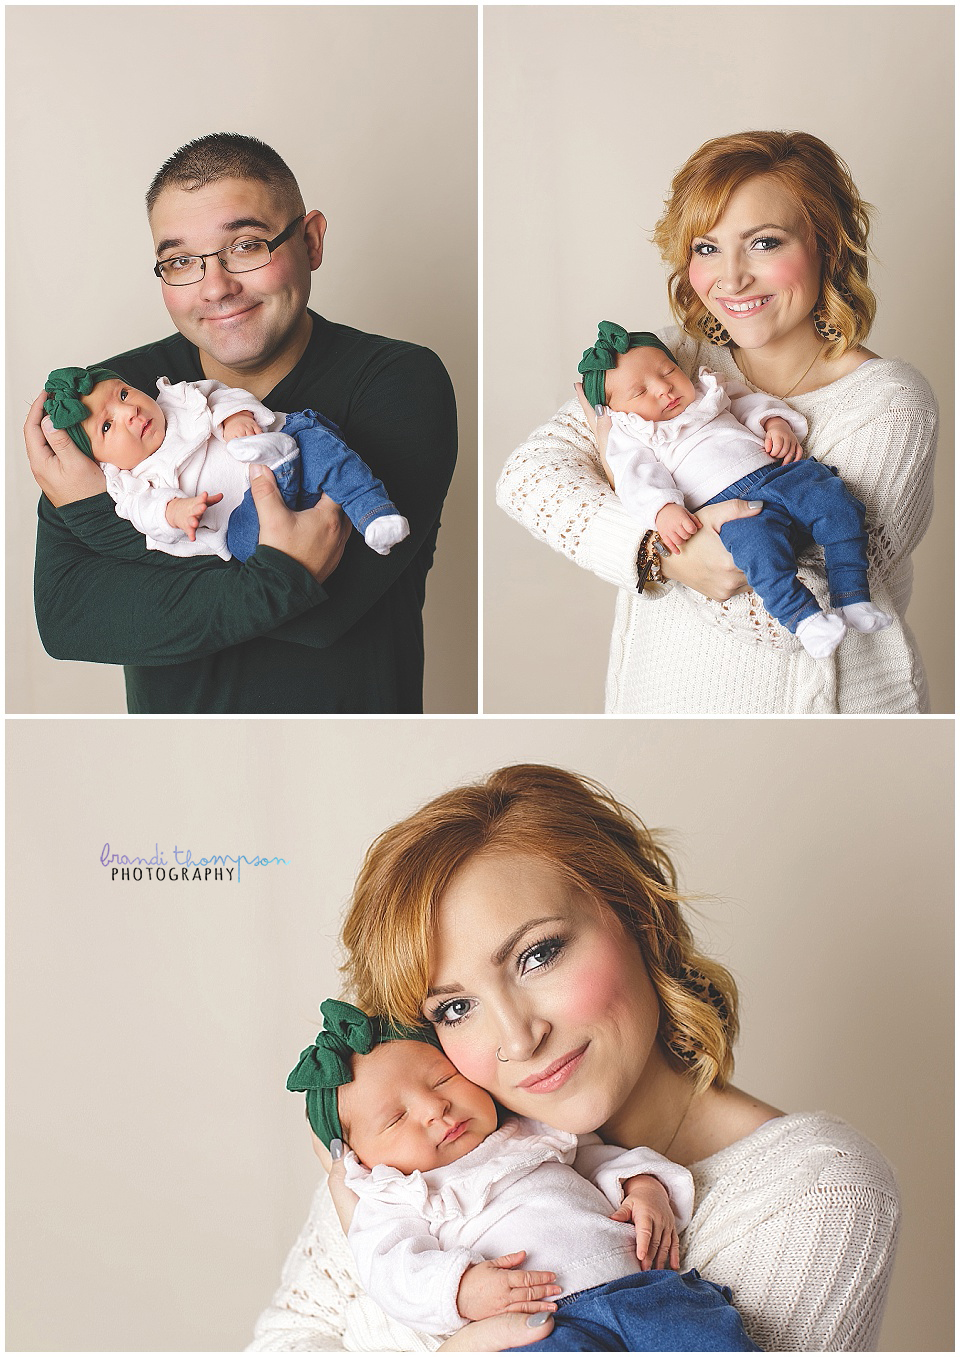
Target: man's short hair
point(226, 155)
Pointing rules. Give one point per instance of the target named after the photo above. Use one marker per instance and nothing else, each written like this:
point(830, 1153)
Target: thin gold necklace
point(683, 1117)
point(803, 375)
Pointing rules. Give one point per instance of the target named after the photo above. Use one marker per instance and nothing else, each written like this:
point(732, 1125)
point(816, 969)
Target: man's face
point(243, 321)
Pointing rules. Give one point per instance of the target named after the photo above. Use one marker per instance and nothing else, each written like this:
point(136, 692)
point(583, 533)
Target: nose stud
point(504, 1059)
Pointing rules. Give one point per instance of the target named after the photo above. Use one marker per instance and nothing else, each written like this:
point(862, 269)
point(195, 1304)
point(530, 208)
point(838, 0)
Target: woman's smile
point(556, 1074)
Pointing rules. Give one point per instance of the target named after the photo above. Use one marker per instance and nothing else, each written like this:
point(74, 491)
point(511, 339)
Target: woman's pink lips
point(555, 1075)
point(742, 301)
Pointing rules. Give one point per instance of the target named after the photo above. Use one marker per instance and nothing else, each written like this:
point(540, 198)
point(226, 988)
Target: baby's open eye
point(124, 393)
point(105, 426)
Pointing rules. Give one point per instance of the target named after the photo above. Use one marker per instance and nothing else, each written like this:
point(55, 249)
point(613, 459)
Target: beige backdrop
point(588, 113)
point(374, 109)
point(158, 1171)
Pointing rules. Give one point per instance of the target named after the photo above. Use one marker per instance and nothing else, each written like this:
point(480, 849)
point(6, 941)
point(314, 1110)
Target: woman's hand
point(344, 1201)
point(703, 563)
point(499, 1333)
point(600, 426)
point(61, 470)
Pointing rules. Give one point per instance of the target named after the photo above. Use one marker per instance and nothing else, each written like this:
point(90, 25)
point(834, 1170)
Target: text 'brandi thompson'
point(184, 866)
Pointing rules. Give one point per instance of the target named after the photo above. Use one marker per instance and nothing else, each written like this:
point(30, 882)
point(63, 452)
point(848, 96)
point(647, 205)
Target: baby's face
point(409, 1108)
point(647, 383)
point(124, 426)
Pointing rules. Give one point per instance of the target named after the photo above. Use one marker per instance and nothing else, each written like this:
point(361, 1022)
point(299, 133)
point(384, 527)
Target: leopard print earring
point(713, 330)
point(824, 326)
point(706, 990)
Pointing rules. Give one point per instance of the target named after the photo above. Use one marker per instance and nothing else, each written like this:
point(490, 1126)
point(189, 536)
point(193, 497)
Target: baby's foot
point(821, 634)
point(267, 449)
point(865, 617)
point(385, 532)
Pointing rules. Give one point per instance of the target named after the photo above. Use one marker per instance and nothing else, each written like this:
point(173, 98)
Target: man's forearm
point(97, 608)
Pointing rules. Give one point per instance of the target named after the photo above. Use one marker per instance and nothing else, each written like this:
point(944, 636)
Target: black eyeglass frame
point(271, 245)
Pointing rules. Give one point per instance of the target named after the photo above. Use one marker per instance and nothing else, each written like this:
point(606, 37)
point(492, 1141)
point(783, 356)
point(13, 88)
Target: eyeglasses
point(180, 270)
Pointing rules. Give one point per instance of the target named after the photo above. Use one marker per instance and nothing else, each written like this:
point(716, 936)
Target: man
point(295, 629)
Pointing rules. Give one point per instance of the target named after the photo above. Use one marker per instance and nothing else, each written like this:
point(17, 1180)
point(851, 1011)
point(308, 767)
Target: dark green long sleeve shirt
point(198, 634)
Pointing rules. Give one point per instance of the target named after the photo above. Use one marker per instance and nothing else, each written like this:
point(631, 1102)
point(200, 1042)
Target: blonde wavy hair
point(597, 844)
point(826, 196)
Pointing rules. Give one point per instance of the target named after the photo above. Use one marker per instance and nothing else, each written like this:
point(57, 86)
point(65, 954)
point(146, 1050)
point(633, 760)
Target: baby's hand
point(781, 442)
point(675, 525)
point(647, 1203)
point(492, 1287)
point(186, 514)
point(242, 425)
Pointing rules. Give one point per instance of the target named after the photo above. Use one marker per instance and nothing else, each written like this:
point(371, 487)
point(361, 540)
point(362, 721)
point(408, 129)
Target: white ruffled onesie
point(194, 457)
point(687, 460)
point(413, 1235)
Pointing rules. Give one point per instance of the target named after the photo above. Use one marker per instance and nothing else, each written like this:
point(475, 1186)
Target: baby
point(177, 466)
point(447, 1192)
point(676, 446)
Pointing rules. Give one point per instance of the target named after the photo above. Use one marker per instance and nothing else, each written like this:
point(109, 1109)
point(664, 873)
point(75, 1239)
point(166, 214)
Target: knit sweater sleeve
point(884, 448)
point(320, 1305)
point(554, 486)
point(804, 1232)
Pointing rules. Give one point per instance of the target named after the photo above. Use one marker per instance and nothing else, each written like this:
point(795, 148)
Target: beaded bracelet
point(649, 568)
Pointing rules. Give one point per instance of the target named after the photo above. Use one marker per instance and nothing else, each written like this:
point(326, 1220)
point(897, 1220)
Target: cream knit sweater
point(673, 650)
point(799, 1218)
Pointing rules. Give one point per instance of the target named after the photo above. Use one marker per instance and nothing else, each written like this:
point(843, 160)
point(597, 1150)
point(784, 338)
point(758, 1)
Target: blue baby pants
point(647, 1312)
point(325, 464)
point(803, 502)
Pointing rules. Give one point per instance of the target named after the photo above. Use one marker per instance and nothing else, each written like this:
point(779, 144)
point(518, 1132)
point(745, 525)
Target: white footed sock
point(268, 449)
point(865, 617)
point(821, 634)
point(385, 532)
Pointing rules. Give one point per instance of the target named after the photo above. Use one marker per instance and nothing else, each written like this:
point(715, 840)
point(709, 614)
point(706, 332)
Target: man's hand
point(494, 1287)
point(240, 425)
point(647, 1203)
point(314, 537)
point(186, 514)
point(676, 526)
point(61, 470)
point(781, 442)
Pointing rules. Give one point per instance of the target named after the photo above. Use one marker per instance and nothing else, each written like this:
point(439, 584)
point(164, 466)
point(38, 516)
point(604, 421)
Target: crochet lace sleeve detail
point(320, 1306)
point(318, 1282)
point(554, 486)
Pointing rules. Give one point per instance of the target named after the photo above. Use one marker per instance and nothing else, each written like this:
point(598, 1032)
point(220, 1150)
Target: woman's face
point(757, 269)
point(529, 965)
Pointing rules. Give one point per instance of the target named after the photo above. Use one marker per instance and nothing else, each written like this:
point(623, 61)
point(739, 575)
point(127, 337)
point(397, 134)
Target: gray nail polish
point(598, 410)
point(539, 1318)
point(336, 1149)
point(754, 503)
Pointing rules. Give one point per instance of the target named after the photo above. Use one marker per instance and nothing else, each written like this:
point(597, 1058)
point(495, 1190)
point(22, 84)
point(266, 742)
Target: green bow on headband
point(64, 388)
point(326, 1065)
point(612, 340)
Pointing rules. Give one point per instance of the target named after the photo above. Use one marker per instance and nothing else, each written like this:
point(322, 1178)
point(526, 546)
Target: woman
point(537, 924)
point(766, 238)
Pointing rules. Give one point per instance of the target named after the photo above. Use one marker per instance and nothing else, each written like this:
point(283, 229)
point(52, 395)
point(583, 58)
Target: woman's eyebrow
point(744, 235)
point(502, 952)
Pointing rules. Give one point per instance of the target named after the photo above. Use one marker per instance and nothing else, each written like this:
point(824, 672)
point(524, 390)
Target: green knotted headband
point(612, 340)
point(64, 388)
point(325, 1066)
